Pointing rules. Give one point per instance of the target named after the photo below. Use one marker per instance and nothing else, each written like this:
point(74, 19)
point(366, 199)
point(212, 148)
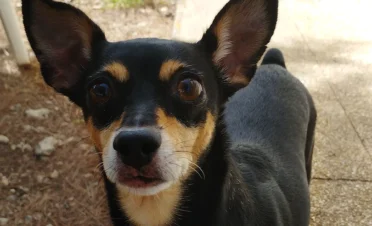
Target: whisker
point(201, 170)
point(99, 165)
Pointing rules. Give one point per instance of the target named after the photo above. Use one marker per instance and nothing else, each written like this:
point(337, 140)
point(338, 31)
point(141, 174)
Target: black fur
point(274, 56)
point(271, 126)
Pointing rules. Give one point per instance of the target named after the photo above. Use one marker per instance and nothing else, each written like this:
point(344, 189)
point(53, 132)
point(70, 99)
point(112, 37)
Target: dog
point(172, 152)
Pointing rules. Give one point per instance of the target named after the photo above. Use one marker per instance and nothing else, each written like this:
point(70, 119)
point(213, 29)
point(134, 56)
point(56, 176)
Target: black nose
point(137, 147)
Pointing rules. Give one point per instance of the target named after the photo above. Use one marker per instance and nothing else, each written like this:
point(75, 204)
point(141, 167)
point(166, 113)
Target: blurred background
point(48, 168)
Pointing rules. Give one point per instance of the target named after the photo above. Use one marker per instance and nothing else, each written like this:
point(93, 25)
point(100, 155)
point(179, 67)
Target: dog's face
point(150, 105)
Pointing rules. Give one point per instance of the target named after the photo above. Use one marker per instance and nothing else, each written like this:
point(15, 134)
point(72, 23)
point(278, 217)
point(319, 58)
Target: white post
point(12, 29)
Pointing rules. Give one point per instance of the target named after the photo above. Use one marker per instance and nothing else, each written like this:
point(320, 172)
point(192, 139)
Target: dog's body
point(271, 128)
point(155, 111)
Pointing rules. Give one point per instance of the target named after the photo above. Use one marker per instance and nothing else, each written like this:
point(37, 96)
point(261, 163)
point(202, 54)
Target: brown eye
point(189, 89)
point(100, 93)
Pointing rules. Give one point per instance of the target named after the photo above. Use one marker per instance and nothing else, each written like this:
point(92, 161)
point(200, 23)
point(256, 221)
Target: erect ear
point(238, 37)
point(63, 39)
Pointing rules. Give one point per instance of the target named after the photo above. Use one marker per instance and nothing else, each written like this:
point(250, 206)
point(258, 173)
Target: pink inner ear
point(65, 60)
point(231, 64)
point(241, 33)
point(247, 39)
point(63, 39)
point(240, 59)
point(69, 63)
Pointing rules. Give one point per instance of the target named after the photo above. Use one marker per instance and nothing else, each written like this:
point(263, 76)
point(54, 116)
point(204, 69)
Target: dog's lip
point(131, 177)
point(147, 179)
point(140, 181)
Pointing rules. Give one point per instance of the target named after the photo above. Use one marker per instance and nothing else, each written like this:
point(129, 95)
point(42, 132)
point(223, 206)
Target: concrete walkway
point(328, 45)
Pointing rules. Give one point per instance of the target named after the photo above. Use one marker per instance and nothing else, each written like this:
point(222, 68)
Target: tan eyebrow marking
point(168, 68)
point(118, 71)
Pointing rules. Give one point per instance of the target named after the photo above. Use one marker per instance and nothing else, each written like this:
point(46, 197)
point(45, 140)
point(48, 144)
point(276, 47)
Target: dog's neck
point(154, 210)
point(209, 200)
point(198, 201)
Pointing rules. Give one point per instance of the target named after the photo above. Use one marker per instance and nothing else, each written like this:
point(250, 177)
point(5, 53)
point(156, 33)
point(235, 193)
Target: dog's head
point(150, 105)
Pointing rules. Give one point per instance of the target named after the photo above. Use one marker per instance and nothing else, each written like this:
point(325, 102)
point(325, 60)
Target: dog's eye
point(100, 92)
point(189, 89)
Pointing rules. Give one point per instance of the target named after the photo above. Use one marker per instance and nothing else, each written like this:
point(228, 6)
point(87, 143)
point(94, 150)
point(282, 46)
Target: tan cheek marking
point(188, 140)
point(118, 71)
point(168, 68)
point(182, 137)
point(94, 134)
point(101, 137)
point(156, 210)
point(205, 135)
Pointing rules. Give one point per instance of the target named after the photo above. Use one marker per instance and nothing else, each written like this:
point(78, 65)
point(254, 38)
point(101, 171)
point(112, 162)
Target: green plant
point(125, 3)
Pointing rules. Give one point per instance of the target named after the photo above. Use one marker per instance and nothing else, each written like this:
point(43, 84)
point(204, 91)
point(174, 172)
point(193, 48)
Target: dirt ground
point(64, 188)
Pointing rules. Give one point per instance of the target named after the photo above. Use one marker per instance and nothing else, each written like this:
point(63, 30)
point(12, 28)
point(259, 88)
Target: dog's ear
point(238, 37)
point(63, 39)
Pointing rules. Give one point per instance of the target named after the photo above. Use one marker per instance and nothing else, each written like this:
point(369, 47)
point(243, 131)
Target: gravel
point(13, 147)
point(41, 113)
point(4, 181)
point(28, 219)
point(46, 146)
point(16, 107)
point(39, 129)
point(40, 178)
point(11, 198)
point(22, 146)
point(4, 139)
point(3, 221)
point(54, 174)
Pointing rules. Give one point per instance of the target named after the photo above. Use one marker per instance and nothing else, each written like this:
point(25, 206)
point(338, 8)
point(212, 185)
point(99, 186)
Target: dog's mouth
point(161, 172)
point(130, 177)
point(140, 181)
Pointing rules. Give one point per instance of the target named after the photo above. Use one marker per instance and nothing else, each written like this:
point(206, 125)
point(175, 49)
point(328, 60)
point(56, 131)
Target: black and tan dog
point(154, 110)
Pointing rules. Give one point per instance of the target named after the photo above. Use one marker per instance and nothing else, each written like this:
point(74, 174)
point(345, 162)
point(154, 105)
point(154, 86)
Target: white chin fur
point(172, 166)
point(146, 191)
